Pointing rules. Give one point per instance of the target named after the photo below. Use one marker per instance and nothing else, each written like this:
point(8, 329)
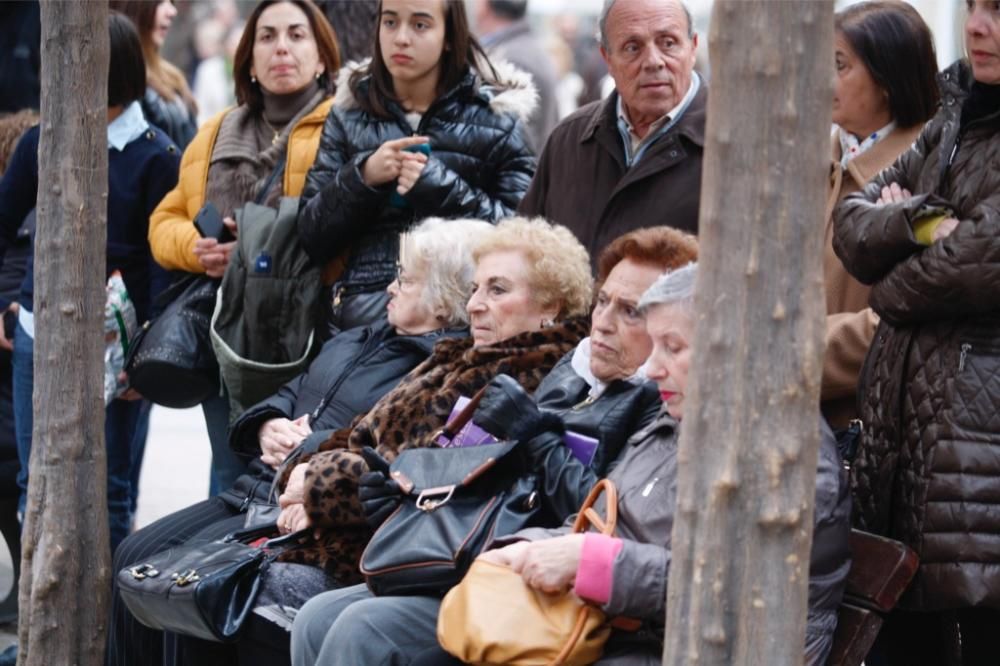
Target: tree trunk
point(737, 591)
point(64, 575)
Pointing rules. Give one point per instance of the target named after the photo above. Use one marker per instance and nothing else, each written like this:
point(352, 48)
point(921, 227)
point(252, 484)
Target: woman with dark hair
point(925, 233)
point(258, 151)
point(167, 102)
point(428, 127)
point(142, 167)
point(884, 92)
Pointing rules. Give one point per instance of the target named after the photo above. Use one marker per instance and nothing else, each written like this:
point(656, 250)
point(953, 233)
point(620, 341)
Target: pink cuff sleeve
point(596, 570)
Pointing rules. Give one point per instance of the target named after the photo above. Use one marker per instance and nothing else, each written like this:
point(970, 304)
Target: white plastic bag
point(120, 326)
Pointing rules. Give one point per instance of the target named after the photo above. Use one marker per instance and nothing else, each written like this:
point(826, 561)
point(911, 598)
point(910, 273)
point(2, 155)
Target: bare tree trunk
point(65, 567)
point(738, 581)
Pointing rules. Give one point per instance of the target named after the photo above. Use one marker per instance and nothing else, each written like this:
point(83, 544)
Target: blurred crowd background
point(205, 33)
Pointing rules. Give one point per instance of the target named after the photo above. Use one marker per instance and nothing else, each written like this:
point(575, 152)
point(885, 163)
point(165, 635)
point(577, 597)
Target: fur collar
point(512, 94)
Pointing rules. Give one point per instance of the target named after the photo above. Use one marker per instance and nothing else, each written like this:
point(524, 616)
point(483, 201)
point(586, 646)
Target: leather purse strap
point(454, 426)
point(588, 515)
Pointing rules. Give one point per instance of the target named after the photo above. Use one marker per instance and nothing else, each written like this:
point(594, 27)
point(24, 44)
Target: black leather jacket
point(622, 410)
point(479, 166)
point(175, 120)
point(350, 374)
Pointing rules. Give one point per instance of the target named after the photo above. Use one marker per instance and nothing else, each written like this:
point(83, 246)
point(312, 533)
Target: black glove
point(508, 412)
point(379, 494)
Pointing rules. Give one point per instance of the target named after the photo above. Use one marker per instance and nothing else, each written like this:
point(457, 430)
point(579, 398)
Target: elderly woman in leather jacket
point(625, 575)
point(926, 235)
point(427, 127)
point(352, 371)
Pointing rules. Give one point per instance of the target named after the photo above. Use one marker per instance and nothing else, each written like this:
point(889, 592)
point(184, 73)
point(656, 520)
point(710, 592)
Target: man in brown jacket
point(634, 159)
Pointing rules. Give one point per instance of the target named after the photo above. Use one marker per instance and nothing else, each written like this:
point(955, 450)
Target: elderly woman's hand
point(893, 193)
point(278, 437)
point(295, 489)
point(293, 518)
point(548, 565)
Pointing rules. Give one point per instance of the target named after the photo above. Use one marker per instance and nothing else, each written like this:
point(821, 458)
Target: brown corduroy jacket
point(850, 323)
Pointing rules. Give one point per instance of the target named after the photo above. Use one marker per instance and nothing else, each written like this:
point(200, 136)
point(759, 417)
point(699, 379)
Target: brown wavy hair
point(12, 127)
point(326, 44)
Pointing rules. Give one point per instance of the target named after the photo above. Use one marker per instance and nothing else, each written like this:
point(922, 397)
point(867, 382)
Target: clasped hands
point(392, 162)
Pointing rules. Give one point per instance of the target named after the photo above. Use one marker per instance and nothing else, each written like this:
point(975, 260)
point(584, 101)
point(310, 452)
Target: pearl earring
point(253, 79)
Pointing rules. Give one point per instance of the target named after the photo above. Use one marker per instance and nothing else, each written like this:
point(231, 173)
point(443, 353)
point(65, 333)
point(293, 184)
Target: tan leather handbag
point(494, 617)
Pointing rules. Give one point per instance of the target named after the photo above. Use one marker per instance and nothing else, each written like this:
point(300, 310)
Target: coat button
point(673, 153)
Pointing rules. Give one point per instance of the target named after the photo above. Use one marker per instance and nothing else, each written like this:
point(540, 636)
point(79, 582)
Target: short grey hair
point(442, 251)
point(672, 288)
point(602, 22)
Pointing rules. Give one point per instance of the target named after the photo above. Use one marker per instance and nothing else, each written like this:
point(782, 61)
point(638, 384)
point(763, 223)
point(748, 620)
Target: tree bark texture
point(737, 591)
point(65, 581)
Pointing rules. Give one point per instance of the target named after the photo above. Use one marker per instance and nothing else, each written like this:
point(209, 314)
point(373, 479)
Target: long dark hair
point(163, 77)
point(896, 46)
point(462, 51)
point(326, 44)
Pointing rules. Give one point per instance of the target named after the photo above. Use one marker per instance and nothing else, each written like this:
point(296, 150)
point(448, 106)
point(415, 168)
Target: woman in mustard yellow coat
point(284, 68)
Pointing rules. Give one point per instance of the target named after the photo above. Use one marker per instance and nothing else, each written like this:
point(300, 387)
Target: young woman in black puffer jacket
point(427, 127)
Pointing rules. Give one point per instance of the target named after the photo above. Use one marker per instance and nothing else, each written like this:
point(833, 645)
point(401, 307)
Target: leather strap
point(454, 426)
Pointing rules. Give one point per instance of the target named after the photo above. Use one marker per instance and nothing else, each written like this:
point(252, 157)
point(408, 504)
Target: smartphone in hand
point(209, 224)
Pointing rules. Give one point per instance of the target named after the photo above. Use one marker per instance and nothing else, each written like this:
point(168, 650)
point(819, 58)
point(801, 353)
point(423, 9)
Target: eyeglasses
point(402, 278)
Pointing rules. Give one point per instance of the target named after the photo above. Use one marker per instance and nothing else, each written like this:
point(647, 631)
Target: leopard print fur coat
point(407, 417)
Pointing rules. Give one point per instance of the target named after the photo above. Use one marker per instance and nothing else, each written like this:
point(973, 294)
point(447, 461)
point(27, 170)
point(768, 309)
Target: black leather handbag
point(455, 502)
point(204, 589)
point(171, 361)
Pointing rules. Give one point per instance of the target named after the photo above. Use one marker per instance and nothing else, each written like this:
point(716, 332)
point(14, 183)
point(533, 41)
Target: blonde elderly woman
point(353, 370)
point(531, 292)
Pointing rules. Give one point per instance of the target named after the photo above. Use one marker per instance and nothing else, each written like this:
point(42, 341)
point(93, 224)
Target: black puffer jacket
point(350, 374)
point(480, 166)
point(623, 409)
point(928, 469)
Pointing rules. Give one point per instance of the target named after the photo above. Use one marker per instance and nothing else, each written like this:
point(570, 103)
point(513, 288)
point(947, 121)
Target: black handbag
point(171, 361)
point(455, 502)
point(204, 589)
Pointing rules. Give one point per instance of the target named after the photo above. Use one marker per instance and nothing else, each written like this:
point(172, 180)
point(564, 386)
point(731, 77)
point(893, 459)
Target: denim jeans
point(122, 422)
point(23, 377)
point(226, 465)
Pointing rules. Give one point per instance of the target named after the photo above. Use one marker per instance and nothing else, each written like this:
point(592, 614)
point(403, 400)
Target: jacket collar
point(691, 125)
point(664, 425)
point(868, 164)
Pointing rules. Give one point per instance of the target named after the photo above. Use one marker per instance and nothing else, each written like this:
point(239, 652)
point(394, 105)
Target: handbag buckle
point(425, 501)
point(185, 577)
point(143, 571)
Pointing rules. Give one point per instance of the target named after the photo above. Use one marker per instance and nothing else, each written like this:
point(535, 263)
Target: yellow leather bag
point(494, 617)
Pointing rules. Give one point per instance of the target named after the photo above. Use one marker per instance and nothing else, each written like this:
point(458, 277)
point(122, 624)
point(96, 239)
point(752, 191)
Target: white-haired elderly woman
point(626, 574)
point(352, 371)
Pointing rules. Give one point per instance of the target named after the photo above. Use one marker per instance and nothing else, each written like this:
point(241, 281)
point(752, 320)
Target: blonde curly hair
point(560, 265)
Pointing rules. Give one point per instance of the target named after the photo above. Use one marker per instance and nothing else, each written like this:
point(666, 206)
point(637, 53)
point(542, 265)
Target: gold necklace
point(277, 133)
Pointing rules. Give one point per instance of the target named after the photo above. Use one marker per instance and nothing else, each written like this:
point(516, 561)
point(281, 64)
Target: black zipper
point(365, 350)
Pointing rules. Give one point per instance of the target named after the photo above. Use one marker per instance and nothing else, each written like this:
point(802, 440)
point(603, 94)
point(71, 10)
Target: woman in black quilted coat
point(427, 127)
point(928, 468)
